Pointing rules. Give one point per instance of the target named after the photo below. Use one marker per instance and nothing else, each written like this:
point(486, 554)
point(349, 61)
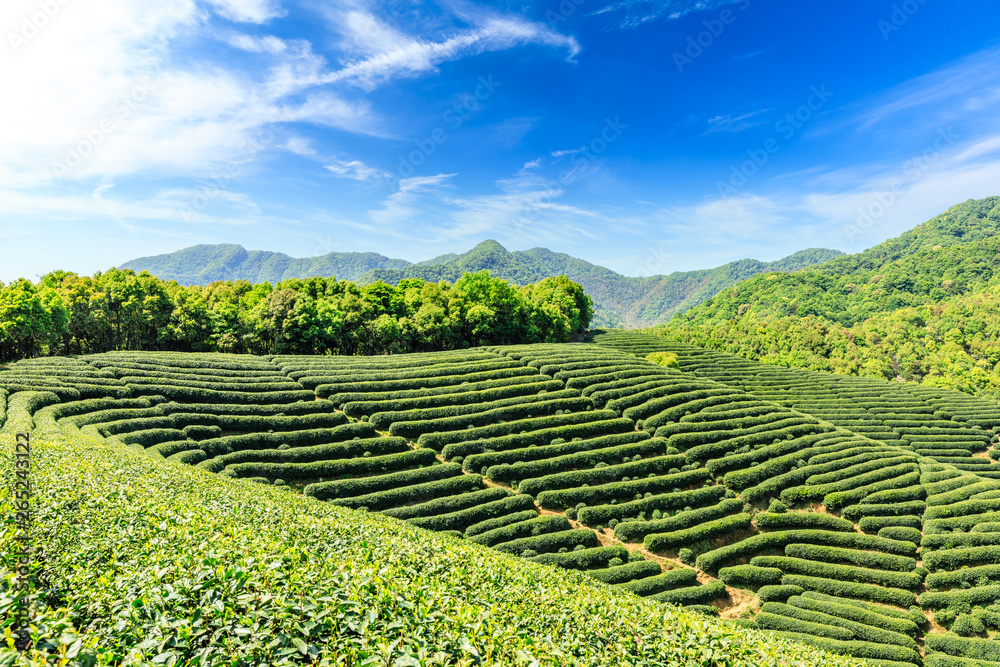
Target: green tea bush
point(667, 581)
point(874, 592)
point(621, 491)
point(379, 500)
point(635, 531)
point(535, 526)
point(602, 514)
point(550, 542)
point(593, 560)
point(572, 469)
point(696, 534)
point(750, 576)
point(473, 502)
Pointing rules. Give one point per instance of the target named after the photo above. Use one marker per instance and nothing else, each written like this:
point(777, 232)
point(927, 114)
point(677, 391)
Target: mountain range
point(620, 301)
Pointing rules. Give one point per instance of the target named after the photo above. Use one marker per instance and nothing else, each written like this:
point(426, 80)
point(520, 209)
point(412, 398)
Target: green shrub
point(861, 558)
point(541, 406)
point(711, 561)
point(958, 540)
point(696, 534)
point(570, 471)
point(197, 432)
point(975, 649)
point(713, 590)
point(620, 491)
point(442, 507)
point(901, 533)
point(594, 560)
point(602, 514)
point(387, 400)
point(574, 426)
point(873, 524)
point(551, 542)
point(535, 526)
point(349, 488)
point(790, 520)
point(487, 525)
point(635, 531)
point(965, 577)
point(859, 611)
point(856, 512)
point(750, 576)
point(667, 581)
point(330, 390)
point(348, 441)
point(777, 593)
point(812, 611)
point(449, 486)
point(952, 559)
point(877, 593)
point(522, 460)
point(834, 571)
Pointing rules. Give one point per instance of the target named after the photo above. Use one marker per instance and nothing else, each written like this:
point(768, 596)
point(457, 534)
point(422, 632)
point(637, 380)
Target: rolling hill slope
point(619, 300)
point(838, 511)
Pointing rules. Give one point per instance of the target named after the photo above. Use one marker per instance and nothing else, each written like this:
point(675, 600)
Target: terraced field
point(859, 516)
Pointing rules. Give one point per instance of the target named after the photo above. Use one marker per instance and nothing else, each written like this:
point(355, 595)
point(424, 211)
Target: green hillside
point(619, 300)
point(170, 564)
point(197, 502)
point(952, 254)
point(921, 307)
point(204, 264)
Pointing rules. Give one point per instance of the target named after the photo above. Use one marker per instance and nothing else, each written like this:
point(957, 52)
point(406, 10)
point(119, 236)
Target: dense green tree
point(123, 310)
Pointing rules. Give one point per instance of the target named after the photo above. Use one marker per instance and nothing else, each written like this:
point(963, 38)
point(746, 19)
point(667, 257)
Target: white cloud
point(388, 53)
point(568, 151)
point(248, 11)
point(253, 44)
point(354, 169)
point(634, 13)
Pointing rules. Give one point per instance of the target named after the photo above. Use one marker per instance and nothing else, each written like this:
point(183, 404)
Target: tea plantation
point(858, 516)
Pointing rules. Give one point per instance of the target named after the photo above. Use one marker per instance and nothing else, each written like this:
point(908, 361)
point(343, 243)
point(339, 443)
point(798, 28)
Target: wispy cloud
point(387, 53)
point(748, 56)
point(152, 95)
point(634, 13)
point(568, 151)
point(962, 88)
point(730, 123)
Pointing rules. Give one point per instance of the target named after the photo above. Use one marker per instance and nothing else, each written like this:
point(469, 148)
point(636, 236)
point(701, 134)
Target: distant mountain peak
point(619, 300)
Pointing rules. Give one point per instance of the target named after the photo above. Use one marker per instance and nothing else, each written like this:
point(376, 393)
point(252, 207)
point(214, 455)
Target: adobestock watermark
point(324, 246)
point(911, 172)
point(900, 15)
point(580, 159)
point(93, 137)
point(656, 262)
point(223, 176)
point(33, 24)
point(699, 42)
point(787, 127)
point(19, 560)
point(452, 119)
point(563, 11)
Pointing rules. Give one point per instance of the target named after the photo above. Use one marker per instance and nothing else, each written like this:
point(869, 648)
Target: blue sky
point(647, 137)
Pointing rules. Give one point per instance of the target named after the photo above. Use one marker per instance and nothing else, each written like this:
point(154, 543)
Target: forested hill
point(921, 307)
point(204, 264)
point(618, 300)
point(952, 254)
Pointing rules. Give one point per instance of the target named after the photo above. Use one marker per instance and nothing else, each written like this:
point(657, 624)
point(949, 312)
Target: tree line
point(66, 313)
